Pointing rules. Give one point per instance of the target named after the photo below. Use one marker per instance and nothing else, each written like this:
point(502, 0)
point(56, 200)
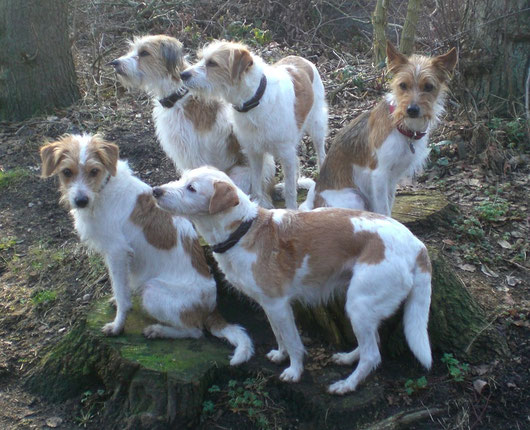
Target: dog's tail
point(416, 314)
point(303, 183)
point(233, 333)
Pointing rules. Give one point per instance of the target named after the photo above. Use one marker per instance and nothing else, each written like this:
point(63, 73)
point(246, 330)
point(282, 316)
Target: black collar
point(105, 182)
point(234, 237)
point(254, 101)
point(169, 101)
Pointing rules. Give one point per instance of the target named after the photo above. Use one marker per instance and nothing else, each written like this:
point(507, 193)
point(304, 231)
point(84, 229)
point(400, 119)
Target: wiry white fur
point(186, 146)
point(165, 279)
point(374, 292)
point(269, 128)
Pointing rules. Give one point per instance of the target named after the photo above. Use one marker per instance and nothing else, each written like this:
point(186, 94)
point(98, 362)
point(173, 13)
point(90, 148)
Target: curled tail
point(233, 333)
point(416, 312)
point(303, 183)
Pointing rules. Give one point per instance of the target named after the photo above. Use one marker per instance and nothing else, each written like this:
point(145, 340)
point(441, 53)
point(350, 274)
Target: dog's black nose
point(157, 192)
point(81, 202)
point(185, 76)
point(113, 63)
point(413, 111)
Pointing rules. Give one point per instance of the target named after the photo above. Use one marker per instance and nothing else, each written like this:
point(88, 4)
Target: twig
point(404, 419)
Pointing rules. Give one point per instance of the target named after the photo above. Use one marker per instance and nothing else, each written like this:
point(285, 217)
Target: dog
point(371, 154)
point(277, 256)
point(274, 106)
point(145, 249)
point(192, 131)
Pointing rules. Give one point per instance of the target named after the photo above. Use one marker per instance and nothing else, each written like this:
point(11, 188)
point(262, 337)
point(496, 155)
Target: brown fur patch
point(53, 154)
point(302, 78)
point(194, 249)
point(194, 316)
point(423, 261)
point(224, 197)
point(234, 148)
point(281, 248)
point(202, 114)
point(215, 321)
point(380, 126)
point(165, 56)
point(156, 224)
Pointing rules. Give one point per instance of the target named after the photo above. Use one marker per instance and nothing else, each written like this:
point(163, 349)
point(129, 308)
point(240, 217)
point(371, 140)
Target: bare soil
point(47, 280)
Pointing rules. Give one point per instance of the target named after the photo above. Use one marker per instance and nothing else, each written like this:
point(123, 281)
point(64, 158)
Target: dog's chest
point(398, 153)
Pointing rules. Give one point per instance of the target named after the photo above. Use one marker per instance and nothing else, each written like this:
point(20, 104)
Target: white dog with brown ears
point(275, 105)
point(377, 149)
point(193, 131)
point(277, 256)
point(147, 251)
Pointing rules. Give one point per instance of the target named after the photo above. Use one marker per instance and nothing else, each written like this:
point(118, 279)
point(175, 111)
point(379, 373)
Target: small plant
point(492, 210)
point(456, 369)
point(253, 34)
point(7, 243)
point(411, 385)
point(472, 228)
point(14, 176)
point(44, 298)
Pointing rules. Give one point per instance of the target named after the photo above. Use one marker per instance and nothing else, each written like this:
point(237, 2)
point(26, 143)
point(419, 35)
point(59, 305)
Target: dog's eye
point(67, 173)
point(403, 85)
point(211, 63)
point(428, 87)
point(190, 188)
point(143, 53)
point(94, 172)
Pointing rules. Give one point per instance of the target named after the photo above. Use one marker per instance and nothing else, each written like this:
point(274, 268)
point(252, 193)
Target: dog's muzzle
point(185, 75)
point(81, 201)
point(158, 192)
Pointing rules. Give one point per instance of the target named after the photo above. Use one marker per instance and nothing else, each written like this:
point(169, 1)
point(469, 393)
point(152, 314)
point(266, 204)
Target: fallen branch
point(404, 419)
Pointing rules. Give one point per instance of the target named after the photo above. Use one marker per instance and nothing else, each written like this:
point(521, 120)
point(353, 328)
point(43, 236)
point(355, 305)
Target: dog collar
point(254, 101)
point(234, 237)
point(415, 135)
point(105, 182)
point(169, 101)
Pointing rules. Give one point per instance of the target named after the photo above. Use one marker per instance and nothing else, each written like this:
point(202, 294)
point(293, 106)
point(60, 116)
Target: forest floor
point(48, 280)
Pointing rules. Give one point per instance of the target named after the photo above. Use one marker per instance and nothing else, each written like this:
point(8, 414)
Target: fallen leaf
point(54, 422)
point(478, 385)
point(505, 244)
point(467, 267)
point(487, 271)
point(512, 281)
point(449, 242)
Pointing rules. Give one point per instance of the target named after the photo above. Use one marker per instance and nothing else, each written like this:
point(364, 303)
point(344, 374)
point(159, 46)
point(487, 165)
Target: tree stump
point(152, 383)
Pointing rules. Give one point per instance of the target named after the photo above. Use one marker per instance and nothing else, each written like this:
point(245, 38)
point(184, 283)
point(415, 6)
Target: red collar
point(416, 135)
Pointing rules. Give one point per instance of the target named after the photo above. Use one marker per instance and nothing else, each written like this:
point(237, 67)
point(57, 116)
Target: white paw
point(152, 331)
point(344, 358)
point(291, 374)
point(340, 387)
point(112, 329)
point(276, 356)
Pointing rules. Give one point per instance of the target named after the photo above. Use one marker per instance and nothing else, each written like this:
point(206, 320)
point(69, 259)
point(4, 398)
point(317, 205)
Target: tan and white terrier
point(371, 154)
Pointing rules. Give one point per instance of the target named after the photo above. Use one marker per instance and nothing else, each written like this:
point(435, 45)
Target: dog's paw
point(291, 374)
point(340, 387)
point(112, 302)
point(152, 331)
point(112, 329)
point(240, 357)
point(276, 356)
point(345, 358)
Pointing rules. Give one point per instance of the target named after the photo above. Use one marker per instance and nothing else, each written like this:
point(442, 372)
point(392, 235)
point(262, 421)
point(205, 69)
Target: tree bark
point(36, 65)
point(406, 45)
point(379, 24)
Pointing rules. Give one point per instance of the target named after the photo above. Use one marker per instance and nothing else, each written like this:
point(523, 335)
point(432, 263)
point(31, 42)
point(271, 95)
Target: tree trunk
point(35, 59)
point(379, 24)
point(495, 54)
point(409, 28)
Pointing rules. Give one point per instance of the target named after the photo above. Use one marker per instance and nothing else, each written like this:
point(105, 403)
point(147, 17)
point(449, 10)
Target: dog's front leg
point(281, 318)
point(289, 161)
point(118, 264)
point(380, 195)
point(256, 160)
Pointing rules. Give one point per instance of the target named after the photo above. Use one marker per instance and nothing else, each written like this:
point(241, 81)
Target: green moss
point(411, 207)
point(12, 177)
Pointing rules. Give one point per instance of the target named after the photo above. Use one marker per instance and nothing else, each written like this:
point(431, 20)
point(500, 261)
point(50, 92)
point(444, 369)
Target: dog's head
point(202, 191)
point(222, 65)
point(418, 86)
point(84, 164)
point(153, 63)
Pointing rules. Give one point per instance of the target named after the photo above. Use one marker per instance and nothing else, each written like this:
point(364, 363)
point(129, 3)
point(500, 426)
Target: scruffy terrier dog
point(192, 131)
point(279, 256)
point(147, 251)
point(370, 155)
point(275, 105)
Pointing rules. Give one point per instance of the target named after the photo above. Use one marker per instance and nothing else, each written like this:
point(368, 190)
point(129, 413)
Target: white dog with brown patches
point(146, 250)
point(193, 131)
point(277, 256)
point(275, 105)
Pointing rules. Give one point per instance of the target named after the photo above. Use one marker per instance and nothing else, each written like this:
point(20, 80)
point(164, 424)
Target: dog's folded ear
point(224, 197)
point(241, 61)
point(107, 152)
point(50, 155)
point(395, 59)
point(172, 53)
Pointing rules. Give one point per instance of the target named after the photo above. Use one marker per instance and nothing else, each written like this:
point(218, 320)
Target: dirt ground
point(48, 280)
